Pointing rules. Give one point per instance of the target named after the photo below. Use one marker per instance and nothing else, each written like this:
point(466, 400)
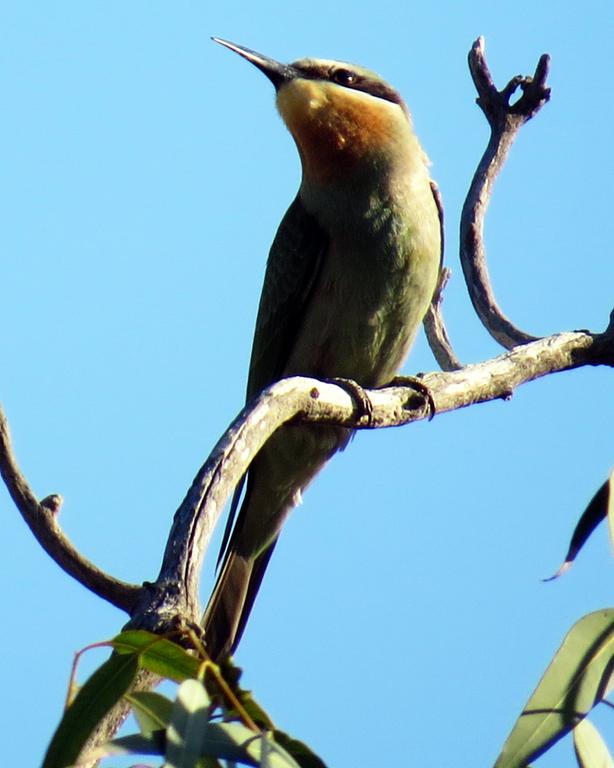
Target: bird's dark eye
point(344, 77)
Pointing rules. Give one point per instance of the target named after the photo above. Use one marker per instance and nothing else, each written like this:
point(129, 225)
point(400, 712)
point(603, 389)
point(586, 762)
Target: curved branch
point(199, 512)
point(41, 519)
point(311, 400)
point(435, 328)
point(505, 121)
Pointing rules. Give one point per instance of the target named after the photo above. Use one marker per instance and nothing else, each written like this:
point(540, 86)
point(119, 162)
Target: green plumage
point(349, 277)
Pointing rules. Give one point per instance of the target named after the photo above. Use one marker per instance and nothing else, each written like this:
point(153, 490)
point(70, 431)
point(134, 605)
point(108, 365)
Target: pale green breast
point(373, 288)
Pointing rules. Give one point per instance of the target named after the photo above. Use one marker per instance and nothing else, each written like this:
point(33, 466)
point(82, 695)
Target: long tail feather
point(224, 611)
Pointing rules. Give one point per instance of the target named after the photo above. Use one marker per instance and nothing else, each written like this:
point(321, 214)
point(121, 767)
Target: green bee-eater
point(350, 275)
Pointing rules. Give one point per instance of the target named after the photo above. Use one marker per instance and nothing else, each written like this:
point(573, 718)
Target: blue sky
point(402, 620)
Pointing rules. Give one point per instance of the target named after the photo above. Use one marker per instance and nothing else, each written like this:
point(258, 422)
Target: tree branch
point(435, 328)
point(175, 592)
point(42, 521)
point(310, 400)
point(434, 325)
point(505, 121)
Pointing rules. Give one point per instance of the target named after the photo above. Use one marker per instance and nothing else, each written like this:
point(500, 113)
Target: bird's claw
point(419, 386)
point(364, 406)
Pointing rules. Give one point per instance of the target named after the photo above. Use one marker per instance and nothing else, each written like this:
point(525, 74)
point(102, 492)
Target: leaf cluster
point(211, 722)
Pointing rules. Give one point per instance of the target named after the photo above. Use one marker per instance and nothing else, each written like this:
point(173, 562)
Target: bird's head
point(342, 117)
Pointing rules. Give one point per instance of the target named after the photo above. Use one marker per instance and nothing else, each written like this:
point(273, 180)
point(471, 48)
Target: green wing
point(295, 260)
point(439, 204)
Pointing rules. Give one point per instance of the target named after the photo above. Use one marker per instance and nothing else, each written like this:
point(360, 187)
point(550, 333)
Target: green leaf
point(252, 708)
point(189, 720)
point(591, 749)
point(578, 677)
point(600, 506)
point(135, 744)
point(97, 696)
point(192, 737)
point(232, 675)
point(152, 710)
point(230, 741)
point(272, 755)
point(158, 655)
point(299, 751)
point(233, 741)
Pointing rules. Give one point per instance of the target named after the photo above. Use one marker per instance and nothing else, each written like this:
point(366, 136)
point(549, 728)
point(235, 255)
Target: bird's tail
point(282, 469)
point(232, 600)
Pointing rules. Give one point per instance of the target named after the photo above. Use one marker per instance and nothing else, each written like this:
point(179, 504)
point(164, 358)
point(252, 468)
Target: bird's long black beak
point(277, 73)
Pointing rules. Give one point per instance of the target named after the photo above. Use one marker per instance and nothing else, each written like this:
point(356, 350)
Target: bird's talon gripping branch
point(420, 387)
point(364, 406)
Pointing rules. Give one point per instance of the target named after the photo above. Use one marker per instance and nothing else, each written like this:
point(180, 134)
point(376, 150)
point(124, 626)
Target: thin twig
point(505, 121)
point(434, 325)
point(42, 521)
point(435, 328)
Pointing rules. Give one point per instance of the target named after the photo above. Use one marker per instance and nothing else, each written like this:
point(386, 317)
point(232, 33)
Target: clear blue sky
point(144, 171)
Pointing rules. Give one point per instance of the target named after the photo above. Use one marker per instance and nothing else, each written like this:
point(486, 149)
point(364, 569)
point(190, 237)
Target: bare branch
point(434, 326)
point(156, 606)
point(505, 121)
point(41, 519)
point(198, 514)
point(436, 330)
point(311, 400)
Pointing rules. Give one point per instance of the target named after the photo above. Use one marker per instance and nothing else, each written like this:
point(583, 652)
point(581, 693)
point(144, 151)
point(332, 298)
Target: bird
point(349, 277)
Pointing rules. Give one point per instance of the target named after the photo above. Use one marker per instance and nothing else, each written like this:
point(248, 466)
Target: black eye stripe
point(380, 90)
point(348, 78)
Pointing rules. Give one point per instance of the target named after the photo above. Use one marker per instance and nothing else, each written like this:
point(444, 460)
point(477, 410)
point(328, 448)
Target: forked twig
point(505, 120)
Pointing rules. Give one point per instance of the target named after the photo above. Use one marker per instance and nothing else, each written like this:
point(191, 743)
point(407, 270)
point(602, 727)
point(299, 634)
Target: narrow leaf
point(152, 710)
point(591, 749)
point(135, 744)
point(229, 741)
point(97, 696)
point(189, 720)
point(252, 708)
point(192, 737)
point(299, 751)
point(578, 677)
point(157, 654)
point(594, 513)
point(233, 741)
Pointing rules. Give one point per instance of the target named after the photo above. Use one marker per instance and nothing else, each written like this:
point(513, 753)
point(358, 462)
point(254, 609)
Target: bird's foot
point(419, 386)
point(364, 406)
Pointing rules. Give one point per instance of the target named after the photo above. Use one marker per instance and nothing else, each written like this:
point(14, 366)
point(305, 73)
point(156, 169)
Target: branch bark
point(434, 325)
point(310, 400)
point(41, 518)
point(505, 121)
point(156, 605)
point(435, 328)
